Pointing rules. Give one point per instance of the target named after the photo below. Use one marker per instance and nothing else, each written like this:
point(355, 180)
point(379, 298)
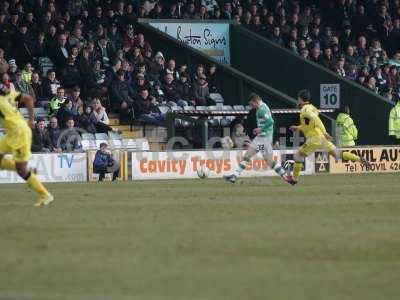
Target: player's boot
point(289, 179)
point(230, 178)
point(365, 163)
point(44, 200)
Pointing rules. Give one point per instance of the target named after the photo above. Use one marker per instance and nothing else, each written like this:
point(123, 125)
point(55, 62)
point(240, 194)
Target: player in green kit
point(262, 142)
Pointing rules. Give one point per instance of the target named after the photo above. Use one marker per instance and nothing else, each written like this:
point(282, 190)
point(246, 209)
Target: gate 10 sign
point(329, 95)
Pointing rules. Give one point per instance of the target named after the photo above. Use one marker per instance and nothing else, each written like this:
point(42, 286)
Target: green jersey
point(265, 120)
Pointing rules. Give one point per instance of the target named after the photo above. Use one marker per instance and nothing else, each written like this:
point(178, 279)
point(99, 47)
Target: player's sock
point(278, 168)
point(242, 166)
point(7, 164)
point(296, 169)
point(350, 156)
point(36, 185)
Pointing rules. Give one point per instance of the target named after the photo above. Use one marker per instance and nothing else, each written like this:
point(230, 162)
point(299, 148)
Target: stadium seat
point(88, 145)
point(238, 107)
point(217, 98)
point(164, 109)
point(114, 135)
point(98, 142)
point(189, 107)
point(88, 136)
point(201, 107)
point(101, 136)
point(40, 112)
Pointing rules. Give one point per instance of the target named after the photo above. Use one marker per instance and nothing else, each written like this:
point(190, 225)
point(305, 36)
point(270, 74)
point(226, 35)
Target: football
point(203, 172)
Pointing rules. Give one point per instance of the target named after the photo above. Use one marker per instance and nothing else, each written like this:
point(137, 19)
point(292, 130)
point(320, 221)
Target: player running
point(262, 142)
point(18, 139)
point(316, 136)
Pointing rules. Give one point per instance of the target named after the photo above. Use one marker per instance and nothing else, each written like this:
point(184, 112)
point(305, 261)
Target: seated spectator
point(87, 121)
point(352, 72)
point(67, 112)
point(96, 79)
point(146, 109)
point(100, 117)
point(12, 70)
point(70, 138)
point(70, 75)
point(40, 138)
point(38, 47)
point(27, 73)
point(213, 80)
point(393, 80)
point(142, 83)
point(23, 86)
point(54, 134)
point(170, 93)
point(140, 43)
point(105, 51)
point(76, 100)
point(50, 85)
point(59, 54)
point(170, 69)
point(3, 62)
point(104, 163)
point(111, 73)
point(55, 103)
point(37, 88)
point(395, 61)
point(121, 93)
point(5, 79)
point(200, 71)
point(201, 91)
point(157, 67)
point(184, 88)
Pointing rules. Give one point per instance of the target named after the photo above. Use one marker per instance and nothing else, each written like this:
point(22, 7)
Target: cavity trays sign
point(210, 38)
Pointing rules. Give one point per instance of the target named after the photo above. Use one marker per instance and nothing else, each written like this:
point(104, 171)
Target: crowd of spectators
point(357, 39)
point(99, 64)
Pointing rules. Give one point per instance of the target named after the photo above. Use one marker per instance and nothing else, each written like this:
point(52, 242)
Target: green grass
point(331, 237)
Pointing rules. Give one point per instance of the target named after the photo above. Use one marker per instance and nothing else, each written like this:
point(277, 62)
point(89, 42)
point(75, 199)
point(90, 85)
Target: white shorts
point(262, 144)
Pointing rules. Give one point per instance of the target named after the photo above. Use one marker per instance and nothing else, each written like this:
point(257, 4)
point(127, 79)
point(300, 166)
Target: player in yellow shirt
point(316, 136)
point(18, 139)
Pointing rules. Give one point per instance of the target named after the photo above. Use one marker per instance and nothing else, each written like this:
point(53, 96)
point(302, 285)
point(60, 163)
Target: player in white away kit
point(262, 142)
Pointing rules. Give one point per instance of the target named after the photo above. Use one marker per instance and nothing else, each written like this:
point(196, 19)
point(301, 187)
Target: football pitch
point(331, 237)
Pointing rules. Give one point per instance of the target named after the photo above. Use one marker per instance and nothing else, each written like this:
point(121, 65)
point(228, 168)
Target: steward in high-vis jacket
point(345, 128)
point(394, 121)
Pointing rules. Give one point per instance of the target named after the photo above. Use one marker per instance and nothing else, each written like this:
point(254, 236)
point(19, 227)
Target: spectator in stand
point(12, 70)
point(40, 138)
point(54, 134)
point(171, 69)
point(140, 43)
point(3, 62)
point(27, 73)
point(184, 88)
point(22, 86)
point(70, 75)
point(86, 120)
point(170, 93)
point(50, 85)
point(201, 91)
point(111, 73)
point(37, 88)
point(5, 79)
point(157, 68)
point(66, 112)
point(59, 54)
point(75, 97)
point(213, 79)
point(70, 139)
point(55, 103)
point(146, 109)
point(100, 117)
point(121, 93)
